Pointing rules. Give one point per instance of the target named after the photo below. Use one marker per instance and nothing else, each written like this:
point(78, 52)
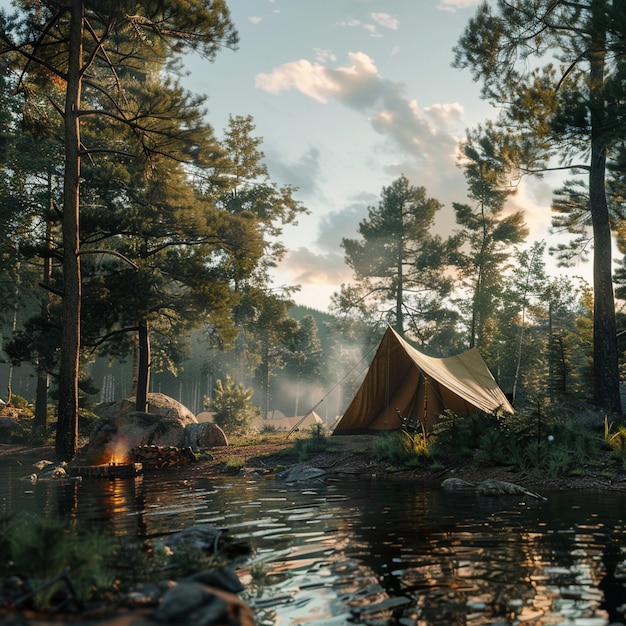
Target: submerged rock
point(200, 539)
point(492, 487)
point(457, 484)
point(301, 473)
point(489, 487)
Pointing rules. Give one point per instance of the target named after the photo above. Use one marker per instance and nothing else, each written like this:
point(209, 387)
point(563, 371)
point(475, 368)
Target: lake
point(338, 552)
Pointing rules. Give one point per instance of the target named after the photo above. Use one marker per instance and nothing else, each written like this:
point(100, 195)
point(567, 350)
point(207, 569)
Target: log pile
point(160, 457)
point(108, 470)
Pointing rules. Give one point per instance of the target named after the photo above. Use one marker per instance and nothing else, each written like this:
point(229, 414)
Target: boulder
point(204, 435)
point(121, 428)
point(196, 540)
point(194, 604)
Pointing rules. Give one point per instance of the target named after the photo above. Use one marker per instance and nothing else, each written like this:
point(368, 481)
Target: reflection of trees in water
point(458, 558)
point(478, 564)
point(614, 591)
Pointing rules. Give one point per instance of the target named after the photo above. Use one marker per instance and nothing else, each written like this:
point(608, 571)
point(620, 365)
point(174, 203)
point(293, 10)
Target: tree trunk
point(265, 379)
point(606, 392)
point(67, 421)
point(400, 273)
point(143, 368)
point(605, 358)
point(40, 421)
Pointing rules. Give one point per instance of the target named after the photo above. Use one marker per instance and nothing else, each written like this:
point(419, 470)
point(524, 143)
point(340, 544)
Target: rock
point(202, 539)
point(9, 428)
point(146, 594)
point(301, 473)
point(121, 428)
point(41, 465)
point(204, 435)
point(222, 577)
point(492, 487)
point(457, 484)
point(194, 604)
point(489, 487)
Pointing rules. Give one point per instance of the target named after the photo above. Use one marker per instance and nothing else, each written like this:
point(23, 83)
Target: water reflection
point(360, 550)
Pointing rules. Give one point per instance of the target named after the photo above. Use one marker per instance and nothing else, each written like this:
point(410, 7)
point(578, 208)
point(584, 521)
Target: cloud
point(453, 5)
point(428, 135)
point(318, 81)
point(309, 268)
point(385, 20)
point(255, 19)
point(336, 225)
point(326, 265)
point(414, 140)
point(324, 56)
point(302, 173)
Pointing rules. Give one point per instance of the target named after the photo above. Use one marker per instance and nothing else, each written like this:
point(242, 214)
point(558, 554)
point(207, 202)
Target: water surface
point(334, 552)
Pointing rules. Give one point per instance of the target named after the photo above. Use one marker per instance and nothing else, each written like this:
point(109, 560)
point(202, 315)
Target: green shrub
point(401, 447)
point(464, 436)
point(316, 442)
point(615, 437)
point(42, 549)
point(233, 406)
point(539, 443)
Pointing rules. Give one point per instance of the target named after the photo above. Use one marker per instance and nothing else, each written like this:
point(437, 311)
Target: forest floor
point(352, 457)
point(347, 457)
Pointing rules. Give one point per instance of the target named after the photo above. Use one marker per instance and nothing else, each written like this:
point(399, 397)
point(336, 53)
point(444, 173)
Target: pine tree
point(80, 46)
point(398, 263)
point(488, 234)
point(555, 68)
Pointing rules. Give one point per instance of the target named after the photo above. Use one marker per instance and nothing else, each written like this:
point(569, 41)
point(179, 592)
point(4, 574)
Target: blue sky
point(347, 96)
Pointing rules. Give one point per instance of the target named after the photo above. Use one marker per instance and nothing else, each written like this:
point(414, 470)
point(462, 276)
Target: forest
point(137, 242)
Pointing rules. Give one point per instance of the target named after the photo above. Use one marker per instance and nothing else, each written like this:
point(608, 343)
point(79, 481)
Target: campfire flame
point(119, 453)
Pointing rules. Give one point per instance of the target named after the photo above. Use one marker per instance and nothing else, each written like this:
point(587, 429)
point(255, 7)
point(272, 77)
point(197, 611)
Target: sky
point(348, 95)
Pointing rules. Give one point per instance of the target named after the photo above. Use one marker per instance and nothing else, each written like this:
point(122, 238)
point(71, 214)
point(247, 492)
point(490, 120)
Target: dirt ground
point(351, 457)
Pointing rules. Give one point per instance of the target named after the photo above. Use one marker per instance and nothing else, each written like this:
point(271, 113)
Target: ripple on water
point(360, 550)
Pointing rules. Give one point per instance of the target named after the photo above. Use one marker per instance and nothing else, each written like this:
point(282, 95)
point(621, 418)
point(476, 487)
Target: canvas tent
point(278, 421)
point(401, 382)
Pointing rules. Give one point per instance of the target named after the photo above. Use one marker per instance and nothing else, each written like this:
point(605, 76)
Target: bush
point(546, 444)
point(316, 442)
point(234, 410)
point(401, 447)
point(478, 436)
point(615, 437)
point(43, 549)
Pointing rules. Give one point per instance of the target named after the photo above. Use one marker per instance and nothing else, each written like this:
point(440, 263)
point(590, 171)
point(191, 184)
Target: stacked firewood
point(159, 457)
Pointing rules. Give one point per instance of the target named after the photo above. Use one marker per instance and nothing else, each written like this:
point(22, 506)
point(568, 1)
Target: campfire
point(119, 462)
point(115, 462)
